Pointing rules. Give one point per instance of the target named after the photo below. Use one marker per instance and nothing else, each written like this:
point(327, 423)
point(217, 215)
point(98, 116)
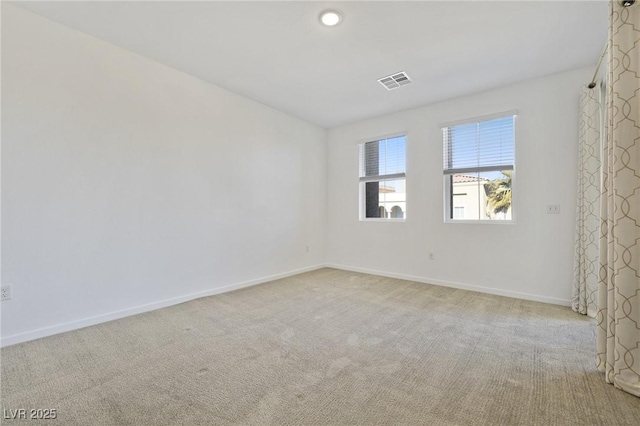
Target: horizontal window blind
point(479, 146)
point(383, 160)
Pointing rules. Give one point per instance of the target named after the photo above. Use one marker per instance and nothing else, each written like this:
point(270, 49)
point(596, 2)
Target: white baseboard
point(479, 289)
point(98, 319)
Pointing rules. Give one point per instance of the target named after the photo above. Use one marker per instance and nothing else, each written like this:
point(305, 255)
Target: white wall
point(127, 185)
point(532, 258)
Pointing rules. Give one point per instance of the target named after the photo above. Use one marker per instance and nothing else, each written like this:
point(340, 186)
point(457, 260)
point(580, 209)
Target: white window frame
point(447, 184)
point(361, 184)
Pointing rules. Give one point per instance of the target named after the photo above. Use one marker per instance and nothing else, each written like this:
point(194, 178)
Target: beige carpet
point(325, 347)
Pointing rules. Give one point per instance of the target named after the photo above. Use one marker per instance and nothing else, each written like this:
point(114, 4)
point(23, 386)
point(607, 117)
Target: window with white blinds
point(382, 165)
point(479, 162)
point(383, 159)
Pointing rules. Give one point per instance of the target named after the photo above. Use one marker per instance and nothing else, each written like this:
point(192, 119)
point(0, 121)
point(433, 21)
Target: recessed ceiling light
point(330, 18)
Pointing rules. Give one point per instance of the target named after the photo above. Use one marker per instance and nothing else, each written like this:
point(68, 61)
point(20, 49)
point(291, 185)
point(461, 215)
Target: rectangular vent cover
point(396, 80)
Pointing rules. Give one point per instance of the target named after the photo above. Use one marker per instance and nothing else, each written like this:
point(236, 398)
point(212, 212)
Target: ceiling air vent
point(394, 81)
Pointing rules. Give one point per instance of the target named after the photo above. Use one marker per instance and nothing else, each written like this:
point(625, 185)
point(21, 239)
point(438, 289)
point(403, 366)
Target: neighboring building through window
point(382, 178)
point(397, 213)
point(479, 164)
point(458, 211)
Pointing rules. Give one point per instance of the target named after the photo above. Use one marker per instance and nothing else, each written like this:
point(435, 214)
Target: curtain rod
point(624, 3)
point(595, 74)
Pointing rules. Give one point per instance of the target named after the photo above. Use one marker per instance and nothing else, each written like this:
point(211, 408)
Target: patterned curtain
point(618, 314)
point(585, 274)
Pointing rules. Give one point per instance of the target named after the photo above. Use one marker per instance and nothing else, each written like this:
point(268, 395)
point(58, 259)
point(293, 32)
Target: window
point(479, 169)
point(382, 179)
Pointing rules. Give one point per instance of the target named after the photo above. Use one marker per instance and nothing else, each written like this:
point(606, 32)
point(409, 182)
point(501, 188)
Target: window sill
point(481, 222)
point(374, 219)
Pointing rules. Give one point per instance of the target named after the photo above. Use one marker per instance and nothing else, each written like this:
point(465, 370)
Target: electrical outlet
point(5, 292)
point(553, 209)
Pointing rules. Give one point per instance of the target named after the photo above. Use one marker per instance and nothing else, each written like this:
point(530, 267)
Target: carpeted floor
point(325, 347)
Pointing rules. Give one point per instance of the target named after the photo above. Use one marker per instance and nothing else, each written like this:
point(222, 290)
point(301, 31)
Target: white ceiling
point(278, 54)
